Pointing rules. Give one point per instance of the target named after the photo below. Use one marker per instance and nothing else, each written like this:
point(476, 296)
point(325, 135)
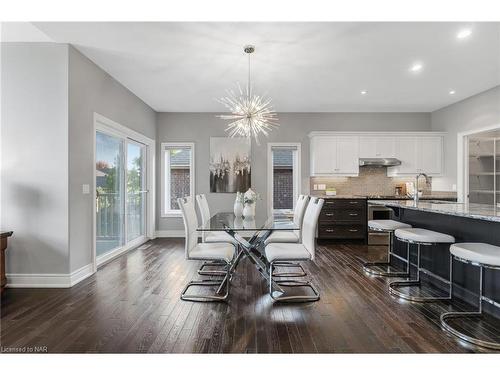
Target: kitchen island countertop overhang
point(468, 210)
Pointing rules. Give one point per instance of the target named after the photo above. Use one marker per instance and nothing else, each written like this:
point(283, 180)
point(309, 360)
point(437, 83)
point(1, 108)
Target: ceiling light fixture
point(364, 92)
point(464, 33)
point(250, 115)
point(416, 67)
point(452, 92)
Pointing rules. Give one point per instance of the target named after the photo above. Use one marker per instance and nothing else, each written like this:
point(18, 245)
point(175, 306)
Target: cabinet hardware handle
point(329, 202)
point(328, 214)
point(353, 202)
point(353, 214)
point(353, 230)
point(329, 230)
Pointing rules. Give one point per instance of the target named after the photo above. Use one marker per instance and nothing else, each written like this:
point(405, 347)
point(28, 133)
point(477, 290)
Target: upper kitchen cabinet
point(418, 154)
point(377, 147)
point(334, 156)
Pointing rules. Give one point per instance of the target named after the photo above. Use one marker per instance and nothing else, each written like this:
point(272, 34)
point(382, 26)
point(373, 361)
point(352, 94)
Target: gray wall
point(478, 111)
point(93, 90)
point(34, 139)
point(199, 127)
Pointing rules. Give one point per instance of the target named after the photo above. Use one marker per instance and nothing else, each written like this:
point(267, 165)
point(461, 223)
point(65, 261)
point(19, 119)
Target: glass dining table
point(250, 234)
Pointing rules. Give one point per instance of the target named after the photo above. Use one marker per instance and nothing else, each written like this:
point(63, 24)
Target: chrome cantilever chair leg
point(291, 283)
point(215, 263)
point(467, 314)
point(301, 273)
point(368, 266)
point(415, 282)
point(209, 282)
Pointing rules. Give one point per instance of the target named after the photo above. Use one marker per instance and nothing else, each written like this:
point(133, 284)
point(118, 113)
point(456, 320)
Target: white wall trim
point(192, 175)
point(49, 280)
point(170, 233)
point(462, 166)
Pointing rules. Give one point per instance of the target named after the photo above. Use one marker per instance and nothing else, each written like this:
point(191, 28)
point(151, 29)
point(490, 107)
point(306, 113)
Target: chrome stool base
point(397, 284)
point(463, 336)
point(416, 282)
point(367, 267)
point(465, 314)
point(302, 272)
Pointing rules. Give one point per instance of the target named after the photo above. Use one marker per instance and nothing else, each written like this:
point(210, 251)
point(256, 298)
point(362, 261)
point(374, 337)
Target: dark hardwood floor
point(132, 305)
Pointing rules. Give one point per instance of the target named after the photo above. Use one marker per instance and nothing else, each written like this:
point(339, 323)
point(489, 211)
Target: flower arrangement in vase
point(238, 205)
point(250, 199)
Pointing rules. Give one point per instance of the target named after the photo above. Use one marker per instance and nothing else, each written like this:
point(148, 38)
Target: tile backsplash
point(371, 181)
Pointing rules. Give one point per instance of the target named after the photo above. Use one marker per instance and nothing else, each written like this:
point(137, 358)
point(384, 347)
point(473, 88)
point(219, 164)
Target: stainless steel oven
point(376, 212)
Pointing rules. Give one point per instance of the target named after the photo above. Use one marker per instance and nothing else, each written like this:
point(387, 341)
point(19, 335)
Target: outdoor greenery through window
point(178, 175)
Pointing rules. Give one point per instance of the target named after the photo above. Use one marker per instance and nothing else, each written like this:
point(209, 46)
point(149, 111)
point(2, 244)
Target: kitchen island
point(467, 223)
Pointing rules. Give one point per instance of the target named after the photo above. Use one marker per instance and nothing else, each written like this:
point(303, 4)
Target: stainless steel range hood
point(379, 162)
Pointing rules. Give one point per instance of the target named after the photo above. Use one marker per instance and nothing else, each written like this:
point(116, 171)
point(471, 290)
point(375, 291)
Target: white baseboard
point(48, 280)
point(171, 233)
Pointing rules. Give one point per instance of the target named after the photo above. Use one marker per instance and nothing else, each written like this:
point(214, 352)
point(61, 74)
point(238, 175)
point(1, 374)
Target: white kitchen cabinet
point(347, 156)
point(323, 155)
point(334, 156)
point(377, 147)
point(430, 155)
point(422, 154)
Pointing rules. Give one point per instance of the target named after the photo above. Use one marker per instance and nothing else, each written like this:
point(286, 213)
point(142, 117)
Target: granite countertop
point(469, 210)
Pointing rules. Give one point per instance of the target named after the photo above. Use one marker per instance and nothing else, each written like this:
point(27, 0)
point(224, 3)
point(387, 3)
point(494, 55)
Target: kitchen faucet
point(415, 195)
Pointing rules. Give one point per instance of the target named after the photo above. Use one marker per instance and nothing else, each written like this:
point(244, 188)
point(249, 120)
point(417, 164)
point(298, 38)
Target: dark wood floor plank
point(132, 305)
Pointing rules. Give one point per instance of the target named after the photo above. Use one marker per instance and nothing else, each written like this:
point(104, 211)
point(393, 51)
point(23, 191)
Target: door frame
point(105, 125)
point(462, 158)
point(297, 175)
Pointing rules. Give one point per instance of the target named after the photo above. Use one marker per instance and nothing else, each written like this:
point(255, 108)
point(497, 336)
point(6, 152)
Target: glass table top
point(222, 221)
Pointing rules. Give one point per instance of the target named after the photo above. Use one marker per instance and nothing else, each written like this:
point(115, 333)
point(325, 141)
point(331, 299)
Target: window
point(177, 175)
point(283, 176)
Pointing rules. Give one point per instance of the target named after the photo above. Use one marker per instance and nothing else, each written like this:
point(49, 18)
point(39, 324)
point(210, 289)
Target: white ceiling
point(304, 67)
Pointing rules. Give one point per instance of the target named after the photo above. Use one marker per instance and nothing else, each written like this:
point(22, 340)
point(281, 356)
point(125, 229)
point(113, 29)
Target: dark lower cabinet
point(343, 219)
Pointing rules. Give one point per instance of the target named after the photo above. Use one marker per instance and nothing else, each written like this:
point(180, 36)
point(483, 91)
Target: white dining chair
point(222, 252)
point(285, 236)
point(296, 252)
point(209, 237)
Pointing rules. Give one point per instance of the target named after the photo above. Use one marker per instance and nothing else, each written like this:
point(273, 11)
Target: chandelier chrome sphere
point(250, 115)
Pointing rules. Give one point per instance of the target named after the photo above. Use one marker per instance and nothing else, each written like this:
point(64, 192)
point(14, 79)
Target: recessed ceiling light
point(464, 33)
point(416, 67)
point(452, 92)
point(364, 92)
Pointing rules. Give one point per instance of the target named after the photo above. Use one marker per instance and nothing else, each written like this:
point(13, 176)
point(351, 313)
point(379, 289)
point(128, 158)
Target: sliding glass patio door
point(121, 193)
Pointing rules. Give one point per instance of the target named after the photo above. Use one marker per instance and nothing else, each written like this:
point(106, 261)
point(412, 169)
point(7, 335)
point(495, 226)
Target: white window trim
point(164, 176)
point(297, 172)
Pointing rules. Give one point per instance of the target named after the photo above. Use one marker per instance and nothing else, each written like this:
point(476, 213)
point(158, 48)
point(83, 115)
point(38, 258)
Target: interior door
point(110, 208)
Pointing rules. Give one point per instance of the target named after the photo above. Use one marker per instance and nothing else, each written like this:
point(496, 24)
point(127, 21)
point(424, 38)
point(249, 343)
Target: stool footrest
point(463, 336)
point(397, 284)
point(369, 268)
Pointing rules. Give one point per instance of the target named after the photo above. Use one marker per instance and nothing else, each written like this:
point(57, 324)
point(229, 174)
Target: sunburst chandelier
point(250, 114)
